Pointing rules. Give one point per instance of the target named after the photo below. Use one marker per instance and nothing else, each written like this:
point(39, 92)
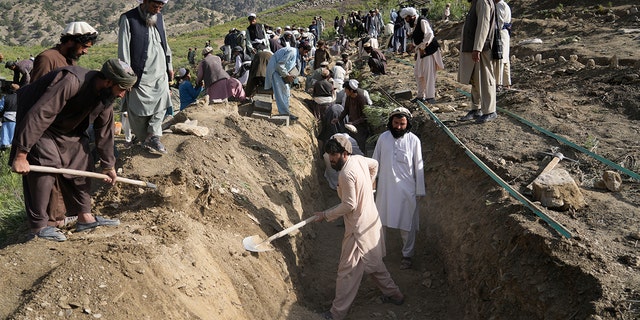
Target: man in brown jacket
point(54, 113)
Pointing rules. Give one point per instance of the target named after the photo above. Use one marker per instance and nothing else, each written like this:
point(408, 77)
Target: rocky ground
point(481, 253)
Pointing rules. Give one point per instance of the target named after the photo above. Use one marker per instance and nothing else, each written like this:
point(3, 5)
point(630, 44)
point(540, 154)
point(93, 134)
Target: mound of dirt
point(480, 254)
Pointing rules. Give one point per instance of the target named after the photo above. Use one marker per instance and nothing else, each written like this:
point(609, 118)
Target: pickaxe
point(557, 157)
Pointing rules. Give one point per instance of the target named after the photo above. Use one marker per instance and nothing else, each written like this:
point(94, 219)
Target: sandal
point(51, 233)
point(388, 299)
point(100, 221)
point(405, 263)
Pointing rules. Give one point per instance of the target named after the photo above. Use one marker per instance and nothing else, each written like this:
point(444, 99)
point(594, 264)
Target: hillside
point(32, 22)
point(481, 253)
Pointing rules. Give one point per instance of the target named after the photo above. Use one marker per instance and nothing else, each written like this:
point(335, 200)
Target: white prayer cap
point(207, 50)
point(400, 111)
point(408, 11)
point(77, 28)
point(352, 84)
point(252, 16)
point(182, 72)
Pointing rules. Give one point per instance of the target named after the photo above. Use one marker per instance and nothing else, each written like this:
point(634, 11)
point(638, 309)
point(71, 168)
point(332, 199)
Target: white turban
point(408, 11)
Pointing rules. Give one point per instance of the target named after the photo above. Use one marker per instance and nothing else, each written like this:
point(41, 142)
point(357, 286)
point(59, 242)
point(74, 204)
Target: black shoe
point(416, 99)
point(487, 117)
point(292, 117)
point(431, 100)
point(473, 114)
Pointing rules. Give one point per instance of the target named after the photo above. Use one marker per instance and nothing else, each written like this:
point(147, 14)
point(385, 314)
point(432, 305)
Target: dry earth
point(481, 254)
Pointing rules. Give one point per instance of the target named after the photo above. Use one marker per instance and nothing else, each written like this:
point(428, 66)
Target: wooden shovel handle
point(88, 174)
point(552, 164)
point(292, 228)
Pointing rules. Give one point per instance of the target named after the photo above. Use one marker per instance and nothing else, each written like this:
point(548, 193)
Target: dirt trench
point(179, 254)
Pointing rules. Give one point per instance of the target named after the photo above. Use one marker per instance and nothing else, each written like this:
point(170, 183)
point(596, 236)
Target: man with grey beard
point(142, 43)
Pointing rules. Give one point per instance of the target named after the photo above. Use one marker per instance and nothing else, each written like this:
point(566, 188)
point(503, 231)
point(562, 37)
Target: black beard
point(398, 133)
point(106, 96)
point(338, 166)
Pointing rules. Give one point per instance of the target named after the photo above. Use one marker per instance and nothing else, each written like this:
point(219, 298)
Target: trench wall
point(500, 260)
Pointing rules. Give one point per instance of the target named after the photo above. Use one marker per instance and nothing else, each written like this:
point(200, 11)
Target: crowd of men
point(52, 108)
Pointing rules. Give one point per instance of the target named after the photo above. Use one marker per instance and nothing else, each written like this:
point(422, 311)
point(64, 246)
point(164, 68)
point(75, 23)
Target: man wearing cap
point(400, 180)
point(217, 82)
point(282, 71)
point(188, 93)
point(322, 54)
point(323, 94)
point(75, 41)
point(21, 70)
point(229, 44)
point(257, 38)
point(242, 64)
point(142, 43)
point(257, 72)
point(363, 244)
point(339, 74)
point(377, 61)
point(54, 113)
point(427, 54)
point(476, 61)
point(354, 102)
point(348, 65)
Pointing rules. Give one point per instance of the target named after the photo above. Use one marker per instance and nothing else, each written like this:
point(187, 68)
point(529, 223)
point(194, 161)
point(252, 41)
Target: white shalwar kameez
point(400, 181)
point(426, 68)
point(147, 103)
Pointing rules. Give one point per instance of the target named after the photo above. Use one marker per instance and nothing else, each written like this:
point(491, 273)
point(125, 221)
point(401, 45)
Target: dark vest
point(256, 31)
point(418, 37)
point(140, 40)
point(469, 28)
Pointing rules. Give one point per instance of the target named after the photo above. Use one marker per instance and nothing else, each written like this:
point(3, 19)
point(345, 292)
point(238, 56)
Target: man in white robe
point(363, 243)
point(400, 180)
point(502, 67)
point(147, 102)
point(427, 54)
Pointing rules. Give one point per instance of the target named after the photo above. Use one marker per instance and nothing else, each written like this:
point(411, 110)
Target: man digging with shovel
point(53, 115)
point(362, 246)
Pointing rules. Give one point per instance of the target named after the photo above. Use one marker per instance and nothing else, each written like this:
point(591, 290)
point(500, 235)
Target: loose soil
point(481, 254)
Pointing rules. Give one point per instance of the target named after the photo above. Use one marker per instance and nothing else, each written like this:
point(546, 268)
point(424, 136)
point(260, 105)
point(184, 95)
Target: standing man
point(281, 71)
point(363, 244)
point(476, 62)
point(142, 43)
point(257, 38)
point(54, 113)
point(427, 54)
point(400, 180)
point(502, 67)
point(21, 70)
point(75, 41)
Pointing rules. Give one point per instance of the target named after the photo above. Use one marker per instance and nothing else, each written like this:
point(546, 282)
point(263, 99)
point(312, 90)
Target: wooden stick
point(89, 174)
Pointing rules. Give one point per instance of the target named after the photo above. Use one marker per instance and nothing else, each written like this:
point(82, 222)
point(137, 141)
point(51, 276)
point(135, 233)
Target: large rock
point(557, 190)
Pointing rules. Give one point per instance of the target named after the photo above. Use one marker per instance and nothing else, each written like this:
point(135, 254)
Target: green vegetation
point(12, 216)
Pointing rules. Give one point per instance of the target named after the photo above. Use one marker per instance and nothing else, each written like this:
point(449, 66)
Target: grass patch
point(12, 216)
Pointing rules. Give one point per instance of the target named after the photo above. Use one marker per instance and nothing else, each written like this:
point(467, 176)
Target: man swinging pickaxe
point(557, 157)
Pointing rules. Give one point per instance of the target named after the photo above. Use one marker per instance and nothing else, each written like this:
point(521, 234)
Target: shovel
point(88, 174)
point(255, 244)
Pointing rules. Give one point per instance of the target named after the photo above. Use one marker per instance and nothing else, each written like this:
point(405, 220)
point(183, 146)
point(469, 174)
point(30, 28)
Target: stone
point(573, 58)
point(557, 190)
point(591, 64)
point(562, 59)
point(613, 62)
point(612, 180)
point(538, 58)
point(403, 94)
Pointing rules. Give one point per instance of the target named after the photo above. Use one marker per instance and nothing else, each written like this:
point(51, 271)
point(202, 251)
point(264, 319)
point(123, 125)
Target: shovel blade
point(255, 244)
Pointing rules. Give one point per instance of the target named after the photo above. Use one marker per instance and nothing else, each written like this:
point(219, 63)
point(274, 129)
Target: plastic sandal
point(51, 233)
point(100, 221)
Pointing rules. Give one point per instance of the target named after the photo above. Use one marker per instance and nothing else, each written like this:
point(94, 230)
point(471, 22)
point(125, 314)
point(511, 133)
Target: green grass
point(12, 216)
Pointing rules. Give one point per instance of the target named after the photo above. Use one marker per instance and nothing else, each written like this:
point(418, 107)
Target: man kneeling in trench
point(362, 246)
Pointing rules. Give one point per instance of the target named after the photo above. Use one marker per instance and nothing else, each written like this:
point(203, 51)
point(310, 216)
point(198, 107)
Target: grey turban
point(119, 72)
